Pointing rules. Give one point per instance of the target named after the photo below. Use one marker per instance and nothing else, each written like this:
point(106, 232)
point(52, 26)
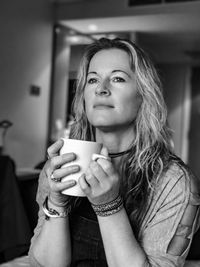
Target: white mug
point(85, 152)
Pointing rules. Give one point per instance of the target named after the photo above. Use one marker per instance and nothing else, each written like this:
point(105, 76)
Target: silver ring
point(56, 180)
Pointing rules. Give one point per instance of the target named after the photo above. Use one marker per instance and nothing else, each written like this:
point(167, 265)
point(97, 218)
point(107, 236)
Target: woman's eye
point(118, 79)
point(92, 80)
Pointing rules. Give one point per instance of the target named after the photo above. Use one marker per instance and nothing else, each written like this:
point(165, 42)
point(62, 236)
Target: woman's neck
point(115, 141)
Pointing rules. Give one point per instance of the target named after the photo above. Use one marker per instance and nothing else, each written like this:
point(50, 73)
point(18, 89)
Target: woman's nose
point(103, 89)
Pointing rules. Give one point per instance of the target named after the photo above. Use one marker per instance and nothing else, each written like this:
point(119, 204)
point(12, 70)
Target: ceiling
point(167, 36)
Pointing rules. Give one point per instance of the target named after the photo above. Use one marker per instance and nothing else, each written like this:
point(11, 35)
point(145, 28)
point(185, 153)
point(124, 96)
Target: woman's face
point(111, 97)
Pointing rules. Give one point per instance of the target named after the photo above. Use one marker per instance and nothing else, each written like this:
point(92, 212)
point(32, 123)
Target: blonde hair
point(151, 147)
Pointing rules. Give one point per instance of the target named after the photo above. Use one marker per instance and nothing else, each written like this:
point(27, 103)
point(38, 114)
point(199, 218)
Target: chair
point(15, 231)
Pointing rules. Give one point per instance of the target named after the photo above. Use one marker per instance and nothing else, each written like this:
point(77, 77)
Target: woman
point(142, 203)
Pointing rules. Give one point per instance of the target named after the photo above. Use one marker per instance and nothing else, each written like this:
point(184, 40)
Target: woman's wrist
point(109, 208)
point(53, 211)
point(59, 203)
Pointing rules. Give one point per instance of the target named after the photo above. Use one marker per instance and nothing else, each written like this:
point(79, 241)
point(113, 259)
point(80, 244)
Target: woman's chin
point(102, 125)
point(101, 122)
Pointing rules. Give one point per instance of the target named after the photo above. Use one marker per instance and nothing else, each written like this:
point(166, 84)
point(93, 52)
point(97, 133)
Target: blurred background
point(40, 49)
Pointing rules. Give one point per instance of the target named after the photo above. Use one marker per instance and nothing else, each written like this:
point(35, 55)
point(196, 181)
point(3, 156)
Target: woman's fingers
point(55, 171)
point(104, 151)
point(65, 171)
point(105, 164)
point(102, 169)
point(95, 170)
point(84, 184)
point(60, 186)
point(56, 162)
point(91, 179)
point(53, 150)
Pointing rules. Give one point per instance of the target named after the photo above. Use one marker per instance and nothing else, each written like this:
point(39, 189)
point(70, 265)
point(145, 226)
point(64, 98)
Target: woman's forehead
point(110, 58)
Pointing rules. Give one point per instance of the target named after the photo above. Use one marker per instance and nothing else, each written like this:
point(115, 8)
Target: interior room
point(42, 42)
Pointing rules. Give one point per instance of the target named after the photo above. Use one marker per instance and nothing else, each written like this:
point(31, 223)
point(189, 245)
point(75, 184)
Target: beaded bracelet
point(108, 209)
point(52, 213)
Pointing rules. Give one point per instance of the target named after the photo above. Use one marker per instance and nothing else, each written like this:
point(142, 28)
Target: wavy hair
point(151, 147)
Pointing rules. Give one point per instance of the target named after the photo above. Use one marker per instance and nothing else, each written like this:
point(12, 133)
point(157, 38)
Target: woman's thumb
point(104, 151)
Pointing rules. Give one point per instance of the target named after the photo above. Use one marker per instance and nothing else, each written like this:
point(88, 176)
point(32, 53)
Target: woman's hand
point(100, 183)
point(55, 173)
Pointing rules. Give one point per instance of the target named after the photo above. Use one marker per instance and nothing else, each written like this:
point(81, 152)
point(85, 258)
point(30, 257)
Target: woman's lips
point(102, 106)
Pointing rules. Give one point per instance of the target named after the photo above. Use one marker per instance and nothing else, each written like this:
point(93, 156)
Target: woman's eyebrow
point(92, 72)
point(122, 71)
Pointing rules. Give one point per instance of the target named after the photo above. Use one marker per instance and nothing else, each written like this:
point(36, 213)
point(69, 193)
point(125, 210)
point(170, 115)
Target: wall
point(66, 64)
point(25, 53)
point(60, 86)
point(176, 85)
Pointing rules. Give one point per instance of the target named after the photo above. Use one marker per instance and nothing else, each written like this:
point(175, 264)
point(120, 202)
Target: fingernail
point(95, 157)
point(76, 168)
point(72, 182)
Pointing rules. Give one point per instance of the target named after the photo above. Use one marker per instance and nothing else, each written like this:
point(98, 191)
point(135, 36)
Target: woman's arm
point(101, 185)
point(50, 245)
point(121, 247)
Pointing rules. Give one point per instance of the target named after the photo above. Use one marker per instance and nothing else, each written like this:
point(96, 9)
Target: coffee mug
point(85, 152)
